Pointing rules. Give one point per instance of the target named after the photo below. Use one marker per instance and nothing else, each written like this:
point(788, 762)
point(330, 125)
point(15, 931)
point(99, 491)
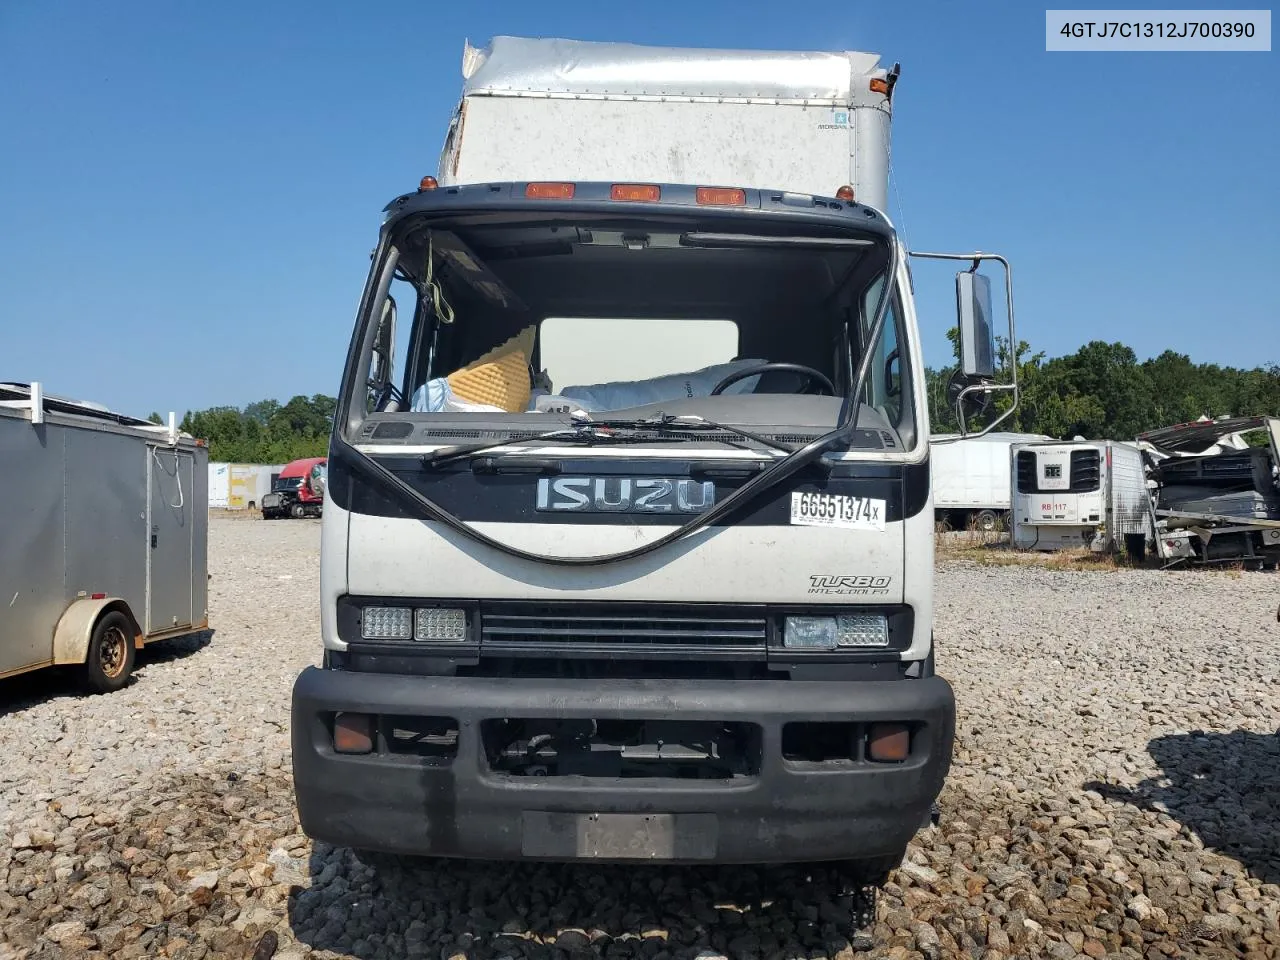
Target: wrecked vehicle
point(1216, 499)
point(298, 491)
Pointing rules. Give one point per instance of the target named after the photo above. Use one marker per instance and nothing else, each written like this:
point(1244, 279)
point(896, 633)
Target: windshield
point(502, 324)
point(286, 483)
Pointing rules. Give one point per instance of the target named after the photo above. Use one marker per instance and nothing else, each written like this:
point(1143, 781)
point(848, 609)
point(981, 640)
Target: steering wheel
point(814, 376)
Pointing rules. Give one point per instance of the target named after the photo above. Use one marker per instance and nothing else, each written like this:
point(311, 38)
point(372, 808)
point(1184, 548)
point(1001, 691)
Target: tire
point(110, 659)
point(988, 521)
point(299, 511)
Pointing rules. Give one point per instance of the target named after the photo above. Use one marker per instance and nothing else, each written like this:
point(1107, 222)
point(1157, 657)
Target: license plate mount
point(619, 836)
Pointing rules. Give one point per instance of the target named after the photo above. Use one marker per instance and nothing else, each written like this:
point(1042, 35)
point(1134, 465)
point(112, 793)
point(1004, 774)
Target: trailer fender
point(75, 628)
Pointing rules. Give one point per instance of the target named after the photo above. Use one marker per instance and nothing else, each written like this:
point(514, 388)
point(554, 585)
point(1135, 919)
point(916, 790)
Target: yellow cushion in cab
point(499, 378)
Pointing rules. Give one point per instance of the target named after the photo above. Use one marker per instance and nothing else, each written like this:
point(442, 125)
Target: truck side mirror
point(973, 313)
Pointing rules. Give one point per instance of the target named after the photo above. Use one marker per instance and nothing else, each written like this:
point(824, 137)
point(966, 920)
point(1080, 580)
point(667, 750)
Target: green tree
point(265, 432)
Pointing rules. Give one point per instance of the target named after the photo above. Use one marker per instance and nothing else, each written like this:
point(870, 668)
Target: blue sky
point(189, 192)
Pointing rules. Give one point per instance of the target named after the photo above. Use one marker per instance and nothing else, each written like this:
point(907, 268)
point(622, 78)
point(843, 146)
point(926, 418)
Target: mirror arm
point(1012, 387)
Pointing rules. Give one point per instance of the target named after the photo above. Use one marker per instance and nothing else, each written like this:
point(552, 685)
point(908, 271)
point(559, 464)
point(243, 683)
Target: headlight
point(386, 623)
point(828, 633)
point(440, 623)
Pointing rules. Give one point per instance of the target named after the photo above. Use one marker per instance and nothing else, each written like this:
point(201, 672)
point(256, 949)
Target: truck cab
point(627, 551)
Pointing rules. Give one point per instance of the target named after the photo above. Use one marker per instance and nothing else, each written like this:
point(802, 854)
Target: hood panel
point(400, 556)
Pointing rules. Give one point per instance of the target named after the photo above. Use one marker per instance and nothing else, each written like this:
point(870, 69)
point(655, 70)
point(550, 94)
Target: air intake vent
point(1027, 472)
point(1085, 474)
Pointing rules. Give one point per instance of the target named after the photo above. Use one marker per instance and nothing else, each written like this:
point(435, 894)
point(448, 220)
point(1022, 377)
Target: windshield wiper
point(691, 424)
point(585, 432)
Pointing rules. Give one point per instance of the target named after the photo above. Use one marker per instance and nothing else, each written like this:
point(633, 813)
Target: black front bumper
point(791, 811)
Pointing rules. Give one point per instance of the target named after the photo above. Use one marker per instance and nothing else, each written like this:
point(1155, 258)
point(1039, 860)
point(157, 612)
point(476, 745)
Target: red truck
point(298, 491)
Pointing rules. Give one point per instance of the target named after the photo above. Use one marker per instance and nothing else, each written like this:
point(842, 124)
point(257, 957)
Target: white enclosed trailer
point(971, 484)
point(240, 486)
point(105, 532)
point(1085, 493)
point(219, 485)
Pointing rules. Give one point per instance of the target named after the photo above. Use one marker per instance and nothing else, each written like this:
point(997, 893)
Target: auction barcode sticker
point(831, 510)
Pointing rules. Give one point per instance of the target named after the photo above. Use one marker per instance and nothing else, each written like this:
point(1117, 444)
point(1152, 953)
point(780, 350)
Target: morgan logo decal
point(850, 586)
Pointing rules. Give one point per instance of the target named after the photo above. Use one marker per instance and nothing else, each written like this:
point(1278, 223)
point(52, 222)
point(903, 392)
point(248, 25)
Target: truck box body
point(971, 476)
point(1084, 493)
point(550, 109)
point(97, 508)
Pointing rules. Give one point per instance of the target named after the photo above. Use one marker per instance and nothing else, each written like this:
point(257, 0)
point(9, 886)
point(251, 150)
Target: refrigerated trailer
point(1087, 493)
point(971, 484)
point(103, 536)
point(684, 614)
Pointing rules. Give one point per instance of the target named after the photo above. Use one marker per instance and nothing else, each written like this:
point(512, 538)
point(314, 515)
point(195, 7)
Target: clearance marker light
point(549, 191)
point(722, 196)
point(636, 192)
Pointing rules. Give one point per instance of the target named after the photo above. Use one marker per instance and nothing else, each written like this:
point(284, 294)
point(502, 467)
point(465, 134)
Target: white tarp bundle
point(434, 396)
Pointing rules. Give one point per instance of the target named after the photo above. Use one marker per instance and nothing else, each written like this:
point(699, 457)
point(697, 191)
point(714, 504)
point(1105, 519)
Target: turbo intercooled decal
point(845, 585)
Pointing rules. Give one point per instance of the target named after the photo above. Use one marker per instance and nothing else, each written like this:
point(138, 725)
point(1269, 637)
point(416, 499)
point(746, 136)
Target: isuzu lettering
point(627, 549)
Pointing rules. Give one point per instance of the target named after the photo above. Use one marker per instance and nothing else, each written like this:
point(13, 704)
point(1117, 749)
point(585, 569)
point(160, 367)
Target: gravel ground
point(1116, 793)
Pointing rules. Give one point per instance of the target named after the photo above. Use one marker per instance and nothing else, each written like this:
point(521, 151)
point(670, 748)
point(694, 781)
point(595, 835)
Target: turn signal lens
point(879, 85)
point(353, 733)
point(888, 742)
point(549, 191)
point(845, 193)
point(636, 192)
point(427, 183)
point(722, 196)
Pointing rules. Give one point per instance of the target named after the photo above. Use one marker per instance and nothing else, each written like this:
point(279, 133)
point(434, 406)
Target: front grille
point(1085, 473)
point(583, 630)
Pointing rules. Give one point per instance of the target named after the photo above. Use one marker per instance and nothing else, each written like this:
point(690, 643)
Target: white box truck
point(675, 605)
point(971, 484)
point(1086, 493)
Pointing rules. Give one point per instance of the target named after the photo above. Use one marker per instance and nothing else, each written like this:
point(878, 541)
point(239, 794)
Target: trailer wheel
point(987, 521)
point(111, 653)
